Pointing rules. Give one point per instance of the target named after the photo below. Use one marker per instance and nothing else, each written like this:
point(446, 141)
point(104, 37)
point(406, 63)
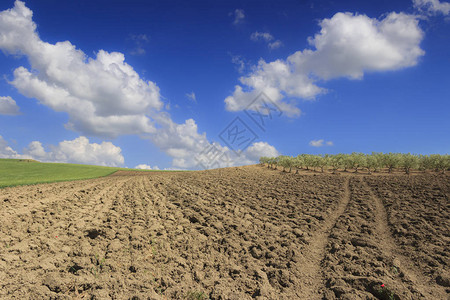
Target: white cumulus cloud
point(192, 150)
point(8, 106)
point(180, 141)
point(259, 149)
point(146, 167)
point(78, 151)
point(433, 6)
point(347, 45)
point(7, 152)
point(103, 96)
point(36, 151)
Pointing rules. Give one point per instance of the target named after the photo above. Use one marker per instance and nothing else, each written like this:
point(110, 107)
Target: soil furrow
point(312, 281)
point(58, 230)
point(235, 233)
point(411, 278)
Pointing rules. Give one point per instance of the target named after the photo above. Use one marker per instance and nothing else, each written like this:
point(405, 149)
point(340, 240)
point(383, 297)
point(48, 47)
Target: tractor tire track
point(411, 278)
point(235, 233)
point(312, 281)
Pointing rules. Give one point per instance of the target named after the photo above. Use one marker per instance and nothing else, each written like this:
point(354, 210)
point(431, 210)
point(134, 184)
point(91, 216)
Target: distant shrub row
point(356, 161)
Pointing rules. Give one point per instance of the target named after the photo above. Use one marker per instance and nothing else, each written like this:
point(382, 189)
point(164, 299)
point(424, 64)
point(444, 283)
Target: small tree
point(378, 157)
point(408, 162)
point(440, 162)
point(336, 162)
point(391, 161)
point(307, 160)
point(271, 162)
point(358, 160)
point(315, 161)
point(275, 162)
point(298, 163)
point(323, 161)
point(424, 163)
point(263, 160)
point(348, 162)
point(370, 162)
point(285, 162)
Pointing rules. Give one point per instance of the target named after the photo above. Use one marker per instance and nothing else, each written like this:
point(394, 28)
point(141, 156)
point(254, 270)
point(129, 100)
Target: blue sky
point(154, 83)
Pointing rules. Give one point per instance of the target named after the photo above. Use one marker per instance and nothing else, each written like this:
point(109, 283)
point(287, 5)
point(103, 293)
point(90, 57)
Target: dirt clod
point(235, 233)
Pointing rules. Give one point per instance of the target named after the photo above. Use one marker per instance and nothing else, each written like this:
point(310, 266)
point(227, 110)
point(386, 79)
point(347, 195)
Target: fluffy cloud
point(146, 167)
point(320, 143)
point(239, 16)
point(260, 149)
point(180, 141)
point(273, 79)
point(7, 152)
point(433, 6)
point(103, 96)
point(78, 151)
point(8, 106)
point(217, 156)
point(348, 45)
point(192, 150)
point(37, 151)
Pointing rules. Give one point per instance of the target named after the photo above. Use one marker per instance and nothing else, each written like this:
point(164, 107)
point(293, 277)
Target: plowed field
point(235, 233)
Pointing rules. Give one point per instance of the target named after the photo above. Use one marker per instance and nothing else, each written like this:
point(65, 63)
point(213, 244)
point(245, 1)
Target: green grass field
point(20, 172)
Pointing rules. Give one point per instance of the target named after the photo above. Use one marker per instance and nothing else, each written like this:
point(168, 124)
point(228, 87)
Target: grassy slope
point(19, 172)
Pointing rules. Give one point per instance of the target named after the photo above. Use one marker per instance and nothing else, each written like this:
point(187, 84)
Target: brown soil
point(235, 233)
